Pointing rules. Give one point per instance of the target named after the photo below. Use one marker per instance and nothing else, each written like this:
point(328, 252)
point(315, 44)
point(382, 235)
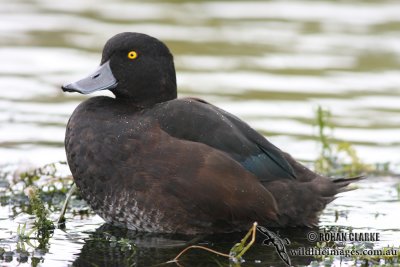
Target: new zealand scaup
point(148, 161)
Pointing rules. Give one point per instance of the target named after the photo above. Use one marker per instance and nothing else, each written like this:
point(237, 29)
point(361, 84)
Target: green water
point(269, 62)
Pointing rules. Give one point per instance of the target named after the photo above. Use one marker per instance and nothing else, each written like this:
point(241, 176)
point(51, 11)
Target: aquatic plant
point(43, 225)
point(35, 191)
point(236, 252)
point(336, 158)
point(61, 218)
point(398, 190)
point(48, 178)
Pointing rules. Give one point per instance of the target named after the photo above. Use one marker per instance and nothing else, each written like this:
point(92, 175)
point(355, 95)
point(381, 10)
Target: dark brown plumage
point(148, 161)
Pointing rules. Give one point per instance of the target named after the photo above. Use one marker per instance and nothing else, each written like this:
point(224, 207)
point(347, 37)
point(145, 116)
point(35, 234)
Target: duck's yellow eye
point(132, 55)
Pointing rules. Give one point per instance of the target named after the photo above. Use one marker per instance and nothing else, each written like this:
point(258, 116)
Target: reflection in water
point(110, 246)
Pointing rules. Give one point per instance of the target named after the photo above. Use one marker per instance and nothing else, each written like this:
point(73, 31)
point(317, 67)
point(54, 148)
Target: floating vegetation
point(51, 182)
point(47, 178)
point(37, 192)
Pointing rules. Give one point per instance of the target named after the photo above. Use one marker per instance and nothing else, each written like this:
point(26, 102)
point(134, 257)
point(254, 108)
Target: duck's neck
point(146, 97)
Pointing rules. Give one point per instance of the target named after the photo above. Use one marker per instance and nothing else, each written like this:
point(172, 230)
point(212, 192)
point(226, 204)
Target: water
point(270, 63)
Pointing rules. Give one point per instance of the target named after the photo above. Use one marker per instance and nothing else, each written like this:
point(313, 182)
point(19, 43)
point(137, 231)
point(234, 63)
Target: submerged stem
point(199, 247)
point(72, 190)
point(252, 231)
point(236, 252)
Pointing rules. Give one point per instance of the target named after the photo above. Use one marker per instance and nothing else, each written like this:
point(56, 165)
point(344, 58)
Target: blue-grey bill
point(101, 79)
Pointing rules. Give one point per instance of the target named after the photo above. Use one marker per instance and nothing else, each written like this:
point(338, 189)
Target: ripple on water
point(271, 63)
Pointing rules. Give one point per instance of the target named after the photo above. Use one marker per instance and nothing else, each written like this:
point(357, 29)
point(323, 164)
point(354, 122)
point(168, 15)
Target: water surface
point(269, 62)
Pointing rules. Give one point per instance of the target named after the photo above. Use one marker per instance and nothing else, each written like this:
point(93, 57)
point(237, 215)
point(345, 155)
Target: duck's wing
point(211, 187)
point(198, 121)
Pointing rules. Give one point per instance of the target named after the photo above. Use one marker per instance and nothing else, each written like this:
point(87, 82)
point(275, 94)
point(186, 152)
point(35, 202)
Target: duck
point(149, 161)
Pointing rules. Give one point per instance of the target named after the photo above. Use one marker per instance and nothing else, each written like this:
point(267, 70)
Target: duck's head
point(135, 67)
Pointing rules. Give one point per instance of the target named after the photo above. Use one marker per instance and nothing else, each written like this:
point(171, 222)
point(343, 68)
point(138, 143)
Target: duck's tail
point(342, 183)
